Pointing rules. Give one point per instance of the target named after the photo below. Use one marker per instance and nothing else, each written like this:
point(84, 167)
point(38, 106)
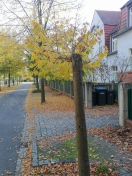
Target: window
point(114, 68)
point(93, 27)
point(130, 17)
point(130, 51)
point(114, 44)
point(100, 47)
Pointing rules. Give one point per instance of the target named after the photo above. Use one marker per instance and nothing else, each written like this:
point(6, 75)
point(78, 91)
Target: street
point(12, 114)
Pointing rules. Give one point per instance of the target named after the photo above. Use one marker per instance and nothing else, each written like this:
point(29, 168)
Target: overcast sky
point(91, 5)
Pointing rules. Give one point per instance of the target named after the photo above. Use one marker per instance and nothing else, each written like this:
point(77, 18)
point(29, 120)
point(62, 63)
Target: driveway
point(12, 119)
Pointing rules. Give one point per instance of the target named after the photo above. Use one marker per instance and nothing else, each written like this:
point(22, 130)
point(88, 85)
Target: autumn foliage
point(50, 51)
point(63, 104)
point(11, 55)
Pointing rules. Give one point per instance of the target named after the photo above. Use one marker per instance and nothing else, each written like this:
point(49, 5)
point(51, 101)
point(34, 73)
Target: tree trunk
point(0, 85)
point(34, 79)
point(13, 81)
point(40, 43)
point(37, 82)
point(42, 91)
point(9, 79)
point(81, 134)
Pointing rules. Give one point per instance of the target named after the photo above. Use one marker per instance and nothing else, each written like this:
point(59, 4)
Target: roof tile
point(127, 4)
point(109, 17)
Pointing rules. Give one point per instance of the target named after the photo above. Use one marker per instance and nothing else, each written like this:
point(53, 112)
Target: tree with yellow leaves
point(64, 54)
point(52, 58)
point(77, 42)
point(11, 56)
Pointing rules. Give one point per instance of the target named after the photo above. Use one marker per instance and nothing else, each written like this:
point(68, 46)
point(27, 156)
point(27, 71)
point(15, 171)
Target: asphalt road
point(12, 114)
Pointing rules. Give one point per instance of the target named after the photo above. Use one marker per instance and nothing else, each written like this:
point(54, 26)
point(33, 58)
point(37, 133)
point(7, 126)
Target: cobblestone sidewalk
point(48, 125)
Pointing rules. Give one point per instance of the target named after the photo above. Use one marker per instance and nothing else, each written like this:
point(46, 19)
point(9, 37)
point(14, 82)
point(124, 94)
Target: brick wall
point(125, 77)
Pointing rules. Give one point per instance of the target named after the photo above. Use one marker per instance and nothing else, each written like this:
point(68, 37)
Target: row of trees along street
point(11, 57)
point(57, 45)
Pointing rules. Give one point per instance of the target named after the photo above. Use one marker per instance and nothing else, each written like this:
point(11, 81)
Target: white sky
point(91, 5)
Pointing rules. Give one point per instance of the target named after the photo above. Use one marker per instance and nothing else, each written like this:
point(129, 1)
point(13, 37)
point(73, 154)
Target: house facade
point(117, 36)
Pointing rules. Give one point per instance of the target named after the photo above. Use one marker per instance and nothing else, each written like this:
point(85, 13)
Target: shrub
point(36, 91)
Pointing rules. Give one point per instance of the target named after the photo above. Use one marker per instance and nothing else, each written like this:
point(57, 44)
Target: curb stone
point(24, 144)
point(96, 139)
point(21, 156)
point(26, 137)
point(124, 172)
point(36, 162)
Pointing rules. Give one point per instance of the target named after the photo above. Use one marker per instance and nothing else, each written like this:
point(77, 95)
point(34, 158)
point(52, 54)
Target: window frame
point(114, 44)
point(130, 17)
point(130, 51)
point(114, 68)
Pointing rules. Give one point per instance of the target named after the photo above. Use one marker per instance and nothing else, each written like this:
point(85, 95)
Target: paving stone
point(57, 124)
point(55, 161)
point(35, 161)
point(44, 162)
point(68, 160)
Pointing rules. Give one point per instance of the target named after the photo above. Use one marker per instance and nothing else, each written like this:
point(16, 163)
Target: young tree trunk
point(81, 134)
point(37, 82)
point(42, 91)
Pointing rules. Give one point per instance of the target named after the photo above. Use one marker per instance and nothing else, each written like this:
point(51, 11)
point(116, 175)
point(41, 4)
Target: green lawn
point(67, 149)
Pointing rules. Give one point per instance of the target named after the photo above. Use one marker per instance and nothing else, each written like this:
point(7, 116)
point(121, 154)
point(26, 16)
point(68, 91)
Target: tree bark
point(9, 80)
point(13, 81)
point(34, 79)
point(0, 85)
point(81, 134)
point(40, 43)
point(37, 83)
point(42, 91)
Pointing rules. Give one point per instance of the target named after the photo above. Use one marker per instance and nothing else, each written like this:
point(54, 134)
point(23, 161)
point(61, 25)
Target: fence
point(108, 86)
point(4, 83)
point(115, 88)
point(67, 88)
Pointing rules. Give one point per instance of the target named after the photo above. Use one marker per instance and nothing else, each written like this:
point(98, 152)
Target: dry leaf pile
point(97, 111)
point(61, 169)
point(6, 89)
point(46, 142)
point(121, 136)
point(57, 102)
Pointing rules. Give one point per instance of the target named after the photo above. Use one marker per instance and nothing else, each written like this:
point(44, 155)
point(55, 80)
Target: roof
point(122, 32)
point(109, 17)
point(127, 4)
point(115, 29)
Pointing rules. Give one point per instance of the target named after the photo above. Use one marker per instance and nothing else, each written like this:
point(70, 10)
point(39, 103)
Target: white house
point(117, 36)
